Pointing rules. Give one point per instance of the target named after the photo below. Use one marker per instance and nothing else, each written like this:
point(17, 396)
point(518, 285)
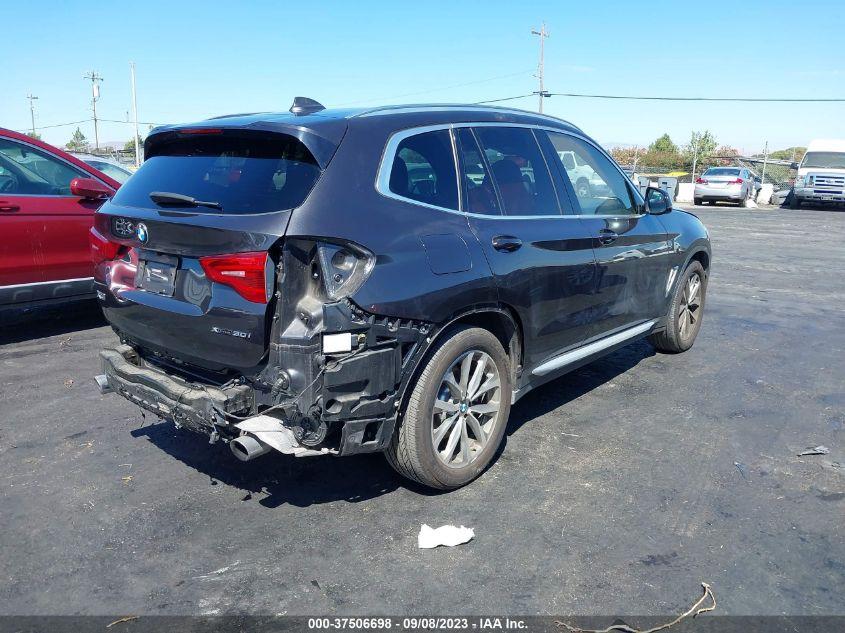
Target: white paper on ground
point(447, 535)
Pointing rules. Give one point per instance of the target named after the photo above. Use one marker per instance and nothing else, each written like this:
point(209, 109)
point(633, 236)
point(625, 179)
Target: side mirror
point(657, 201)
point(89, 189)
point(794, 166)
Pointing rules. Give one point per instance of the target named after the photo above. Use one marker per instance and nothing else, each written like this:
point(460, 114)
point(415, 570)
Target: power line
point(441, 89)
point(734, 99)
point(530, 94)
point(47, 127)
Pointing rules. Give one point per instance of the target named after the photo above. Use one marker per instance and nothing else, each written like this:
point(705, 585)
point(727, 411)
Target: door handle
point(506, 243)
point(606, 236)
point(5, 207)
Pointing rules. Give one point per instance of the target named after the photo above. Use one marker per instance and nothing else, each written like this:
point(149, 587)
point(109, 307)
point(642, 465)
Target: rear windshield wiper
point(168, 199)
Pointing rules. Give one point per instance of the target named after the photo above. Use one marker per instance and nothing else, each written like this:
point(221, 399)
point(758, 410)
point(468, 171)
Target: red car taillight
point(701, 181)
point(243, 272)
point(737, 181)
point(102, 248)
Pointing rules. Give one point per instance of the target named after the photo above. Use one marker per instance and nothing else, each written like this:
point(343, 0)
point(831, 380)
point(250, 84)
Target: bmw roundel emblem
point(142, 233)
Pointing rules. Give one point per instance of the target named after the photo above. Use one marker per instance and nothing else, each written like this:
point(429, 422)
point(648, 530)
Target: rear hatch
point(188, 261)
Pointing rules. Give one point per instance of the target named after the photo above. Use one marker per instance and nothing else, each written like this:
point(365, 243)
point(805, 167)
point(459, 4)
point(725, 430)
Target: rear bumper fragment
point(170, 397)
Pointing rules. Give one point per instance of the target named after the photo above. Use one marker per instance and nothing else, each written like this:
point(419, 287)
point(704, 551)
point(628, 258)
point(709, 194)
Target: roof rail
point(462, 106)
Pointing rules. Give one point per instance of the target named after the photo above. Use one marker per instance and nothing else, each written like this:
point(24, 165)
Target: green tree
point(788, 153)
point(663, 144)
point(34, 135)
point(78, 142)
point(701, 146)
point(662, 154)
point(129, 146)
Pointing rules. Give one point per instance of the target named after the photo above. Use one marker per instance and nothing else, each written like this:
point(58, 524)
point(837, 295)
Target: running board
point(575, 355)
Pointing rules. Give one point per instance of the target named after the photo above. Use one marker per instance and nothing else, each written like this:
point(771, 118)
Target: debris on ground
point(128, 618)
point(742, 468)
point(447, 535)
point(68, 383)
point(126, 479)
point(695, 610)
point(815, 450)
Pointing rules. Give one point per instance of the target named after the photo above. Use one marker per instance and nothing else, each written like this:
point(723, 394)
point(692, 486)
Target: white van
point(821, 173)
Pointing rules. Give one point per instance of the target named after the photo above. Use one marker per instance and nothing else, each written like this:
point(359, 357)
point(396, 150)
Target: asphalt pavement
point(622, 486)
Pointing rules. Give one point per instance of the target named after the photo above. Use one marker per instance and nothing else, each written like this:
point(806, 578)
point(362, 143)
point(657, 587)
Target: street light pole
point(765, 161)
point(32, 111)
point(543, 34)
point(95, 95)
point(135, 116)
point(694, 158)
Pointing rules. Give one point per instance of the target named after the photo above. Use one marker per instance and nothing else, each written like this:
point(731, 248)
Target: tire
point(582, 188)
point(744, 202)
point(697, 202)
point(679, 336)
point(412, 450)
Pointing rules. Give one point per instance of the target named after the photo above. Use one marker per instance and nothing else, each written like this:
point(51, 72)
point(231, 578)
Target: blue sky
point(200, 59)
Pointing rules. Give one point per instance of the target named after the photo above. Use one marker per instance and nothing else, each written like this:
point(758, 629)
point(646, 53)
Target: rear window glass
point(243, 173)
point(721, 171)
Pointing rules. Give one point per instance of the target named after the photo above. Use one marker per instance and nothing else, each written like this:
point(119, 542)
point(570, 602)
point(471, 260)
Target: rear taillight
point(701, 181)
point(102, 248)
point(737, 181)
point(344, 268)
point(245, 273)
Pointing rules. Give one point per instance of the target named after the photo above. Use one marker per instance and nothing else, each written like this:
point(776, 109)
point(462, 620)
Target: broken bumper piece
point(186, 404)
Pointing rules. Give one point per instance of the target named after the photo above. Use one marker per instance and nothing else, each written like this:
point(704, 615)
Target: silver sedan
point(729, 184)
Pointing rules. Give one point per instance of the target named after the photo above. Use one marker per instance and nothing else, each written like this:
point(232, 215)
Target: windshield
point(113, 171)
point(242, 173)
point(835, 160)
point(721, 171)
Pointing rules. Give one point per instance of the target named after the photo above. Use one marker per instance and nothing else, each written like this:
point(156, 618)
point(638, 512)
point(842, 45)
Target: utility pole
point(765, 160)
point(95, 95)
point(135, 116)
point(32, 111)
point(543, 34)
point(694, 157)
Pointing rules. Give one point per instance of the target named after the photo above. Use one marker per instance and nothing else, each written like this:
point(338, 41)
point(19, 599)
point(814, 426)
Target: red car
point(47, 204)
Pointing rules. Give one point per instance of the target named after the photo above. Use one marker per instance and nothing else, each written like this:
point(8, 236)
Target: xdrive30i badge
point(228, 332)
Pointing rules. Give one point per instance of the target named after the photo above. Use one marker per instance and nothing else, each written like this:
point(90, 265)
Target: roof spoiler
point(304, 105)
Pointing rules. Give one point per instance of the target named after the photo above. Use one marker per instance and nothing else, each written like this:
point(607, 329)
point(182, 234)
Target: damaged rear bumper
point(199, 408)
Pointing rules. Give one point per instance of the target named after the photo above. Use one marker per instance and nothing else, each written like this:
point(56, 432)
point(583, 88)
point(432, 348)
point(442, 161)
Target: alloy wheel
point(465, 409)
point(690, 308)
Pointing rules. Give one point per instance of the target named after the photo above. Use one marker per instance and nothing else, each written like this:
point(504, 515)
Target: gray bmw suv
point(324, 282)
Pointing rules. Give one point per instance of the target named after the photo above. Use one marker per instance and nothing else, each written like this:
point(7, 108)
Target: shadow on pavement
point(34, 323)
point(314, 480)
point(575, 384)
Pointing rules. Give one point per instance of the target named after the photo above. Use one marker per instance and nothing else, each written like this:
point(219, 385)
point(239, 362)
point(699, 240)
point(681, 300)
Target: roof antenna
point(304, 105)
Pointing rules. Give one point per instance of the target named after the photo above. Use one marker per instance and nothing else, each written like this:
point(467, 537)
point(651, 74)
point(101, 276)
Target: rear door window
point(241, 172)
point(479, 191)
point(519, 171)
point(424, 170)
